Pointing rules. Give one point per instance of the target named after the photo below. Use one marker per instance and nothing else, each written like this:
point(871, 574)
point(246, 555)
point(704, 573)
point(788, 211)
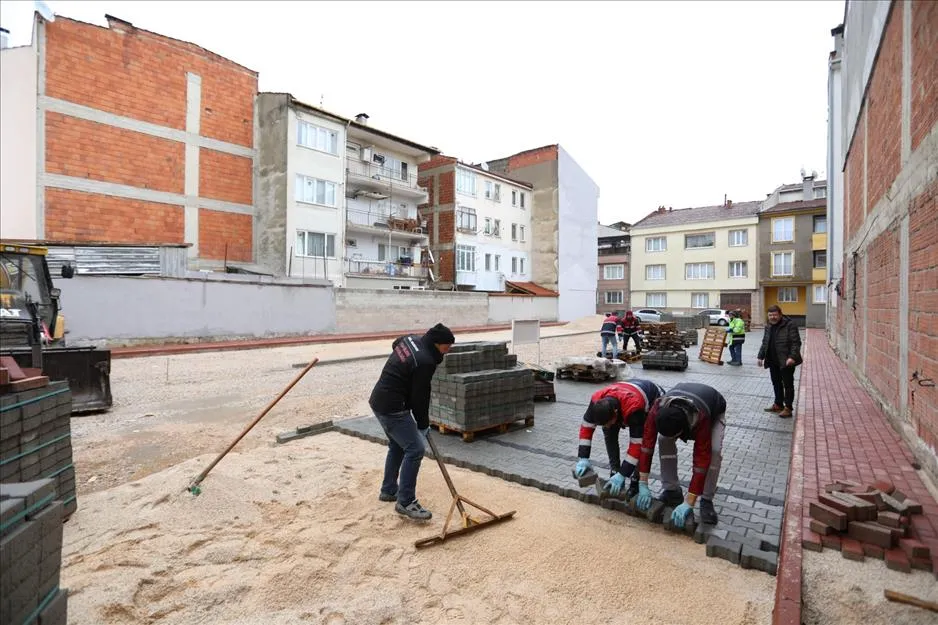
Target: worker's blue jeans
point(405, 452)
point(610, 340)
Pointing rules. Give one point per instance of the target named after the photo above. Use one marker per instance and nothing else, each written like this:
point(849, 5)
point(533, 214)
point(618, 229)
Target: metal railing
point(384, 268)
point(379, 173)
point(379, 218)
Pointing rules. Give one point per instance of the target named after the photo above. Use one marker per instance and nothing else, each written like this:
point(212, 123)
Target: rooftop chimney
point(4, 39)
point(362, 118)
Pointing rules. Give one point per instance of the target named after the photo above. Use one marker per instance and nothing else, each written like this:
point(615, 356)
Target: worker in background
point(620, 405)
point(736, 333)
point(689, 411)
point(780, 353)
point(400, 401)
point(609, 333)
point(631, 329)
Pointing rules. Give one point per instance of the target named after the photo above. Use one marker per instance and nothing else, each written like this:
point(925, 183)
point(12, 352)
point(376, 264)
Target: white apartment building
point(337, 199)
point(691, 259)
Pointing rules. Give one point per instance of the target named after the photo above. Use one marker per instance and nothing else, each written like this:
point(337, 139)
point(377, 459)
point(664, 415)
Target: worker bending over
point(687, 411)
point(623, 404)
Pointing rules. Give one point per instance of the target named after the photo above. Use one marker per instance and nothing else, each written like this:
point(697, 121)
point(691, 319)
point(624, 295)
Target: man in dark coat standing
point(780, 353)
point(401, 403)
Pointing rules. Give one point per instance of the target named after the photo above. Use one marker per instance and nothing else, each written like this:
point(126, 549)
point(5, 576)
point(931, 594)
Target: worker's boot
point(708, 516)
point(774, 408)
point(785, 414)
point(672, 498)
point(414, 511)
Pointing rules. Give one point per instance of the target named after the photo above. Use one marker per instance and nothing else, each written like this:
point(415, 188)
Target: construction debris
point(865, 521)
point(587, 369)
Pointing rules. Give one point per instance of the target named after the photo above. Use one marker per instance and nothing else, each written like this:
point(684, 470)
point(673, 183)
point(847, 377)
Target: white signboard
point(526, 332)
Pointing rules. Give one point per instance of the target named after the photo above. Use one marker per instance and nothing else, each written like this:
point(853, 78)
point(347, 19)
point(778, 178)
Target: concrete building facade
point(134, 138)
point(614, 253)
point(563, 223)
point(883, 137)
point(337, 198)
point(793, 251)
point(691, 259)
point(479, 223)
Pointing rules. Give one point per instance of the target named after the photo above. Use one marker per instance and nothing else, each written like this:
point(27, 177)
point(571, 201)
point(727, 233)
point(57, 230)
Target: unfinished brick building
point(882, 213)
point(122, 135)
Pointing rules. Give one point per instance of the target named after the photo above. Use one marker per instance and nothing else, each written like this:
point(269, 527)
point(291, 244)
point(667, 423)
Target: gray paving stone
point(725, 549)
point(750, 558)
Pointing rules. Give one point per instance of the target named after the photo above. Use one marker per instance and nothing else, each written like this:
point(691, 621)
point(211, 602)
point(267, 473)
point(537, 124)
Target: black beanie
point(440, 335)
point(600, 412)
point(671, 421)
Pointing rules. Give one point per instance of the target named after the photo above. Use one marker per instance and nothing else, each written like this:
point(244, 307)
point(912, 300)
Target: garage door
point(736, 301)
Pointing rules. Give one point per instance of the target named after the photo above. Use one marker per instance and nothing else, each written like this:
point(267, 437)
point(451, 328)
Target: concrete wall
point(18, 143)
point(835, 183)
point(863, 30)
point(504, 308)
point(378, 310)
point(578, 256)
point(115, 310)
point(270, 225)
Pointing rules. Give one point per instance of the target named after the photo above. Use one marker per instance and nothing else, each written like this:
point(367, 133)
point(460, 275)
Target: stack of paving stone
point(480, 386)
point(31, 555)
point(665, 347)
point(35, 439)
point(869, 521)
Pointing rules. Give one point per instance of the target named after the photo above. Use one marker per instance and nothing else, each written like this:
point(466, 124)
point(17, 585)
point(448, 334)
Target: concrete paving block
point(31, 492)
point(56, 612)
point(588, 478)
point(703, 532)
point(725, 549)
point(654, 513)
point(766, 561)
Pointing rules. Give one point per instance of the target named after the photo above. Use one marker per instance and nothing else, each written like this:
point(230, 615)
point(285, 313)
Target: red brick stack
point(868, 521)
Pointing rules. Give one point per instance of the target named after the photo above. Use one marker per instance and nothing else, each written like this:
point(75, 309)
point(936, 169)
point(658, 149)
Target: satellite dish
point(43, 9)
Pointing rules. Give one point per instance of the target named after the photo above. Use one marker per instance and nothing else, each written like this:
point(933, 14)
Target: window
point(514, 232)
point(820, 294)
point(699, 300)
point(787, 294)
point(488, 262)
point(521, 233)
point(514, 265)
point(614, 297)
point(739, 269)
point(488, 225)
point(391, 252)
point(466, 219)
point(820, 259)
point(311, 136)
point(521, 265)
point(465, 182)
point(655, 272)
point(397, 168)
point(522, 199)
point(699, 271)
point(656, 300)
point(782, 263)
point(698, 241)
point(820, 224)
point(498, 262)
point(783, 229)
point(489, 190)
point(315, 191)
point(656, 244)
point(315, 244)
point(497, 228)
point(465, 258)
point(820, 192)
point(497, 194)
point(514, 197)
point(739, 238)
point(613, 272)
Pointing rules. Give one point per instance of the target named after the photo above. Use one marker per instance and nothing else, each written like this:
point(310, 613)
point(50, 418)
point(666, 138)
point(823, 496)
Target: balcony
point(467, 278)
point(379, 178)
point(377, 221)
point(384, 269)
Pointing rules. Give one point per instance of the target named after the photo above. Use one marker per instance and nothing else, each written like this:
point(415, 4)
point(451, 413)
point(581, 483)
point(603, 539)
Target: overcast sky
point(667, 103)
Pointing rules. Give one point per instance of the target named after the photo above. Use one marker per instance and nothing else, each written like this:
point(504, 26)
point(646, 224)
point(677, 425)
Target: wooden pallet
point(469, 435)
point(583, 373)
point(711, 350)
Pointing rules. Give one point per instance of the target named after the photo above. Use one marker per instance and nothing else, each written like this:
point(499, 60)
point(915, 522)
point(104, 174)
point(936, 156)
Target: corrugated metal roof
point(104, 260)
point(607, 231)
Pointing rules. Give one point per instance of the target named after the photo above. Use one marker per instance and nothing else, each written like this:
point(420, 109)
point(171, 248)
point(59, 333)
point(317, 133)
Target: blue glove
point(615, 484)
point(582, 466)
point(680, 515)
point(644, 497)
point(425, 432)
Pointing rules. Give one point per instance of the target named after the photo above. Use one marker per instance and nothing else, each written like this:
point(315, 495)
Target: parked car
point(647, 314)
point(717, 316)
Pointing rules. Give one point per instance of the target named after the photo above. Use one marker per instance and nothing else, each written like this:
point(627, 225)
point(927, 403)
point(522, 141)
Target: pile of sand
point(295, 534)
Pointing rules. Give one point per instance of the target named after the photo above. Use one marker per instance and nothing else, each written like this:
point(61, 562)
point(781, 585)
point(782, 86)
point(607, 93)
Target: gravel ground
point(171, 408)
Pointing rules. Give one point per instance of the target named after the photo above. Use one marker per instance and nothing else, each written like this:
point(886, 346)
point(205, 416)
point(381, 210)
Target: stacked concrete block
point(35, 439)
point(480, 386)
point(31, 531)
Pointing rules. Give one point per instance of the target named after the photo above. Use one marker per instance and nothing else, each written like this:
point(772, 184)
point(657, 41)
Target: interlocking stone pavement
point(751, 490)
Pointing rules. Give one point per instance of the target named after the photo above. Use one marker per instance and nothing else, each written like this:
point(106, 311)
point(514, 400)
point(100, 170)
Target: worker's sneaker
point(785, 414)
point(708, 515)
point(386, 497)
point(774, 408)
point(672, 498)
point(414, 511)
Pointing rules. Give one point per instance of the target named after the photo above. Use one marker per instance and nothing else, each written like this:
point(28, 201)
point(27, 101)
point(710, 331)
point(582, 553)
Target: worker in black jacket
point(780, 353)
point(401, 402)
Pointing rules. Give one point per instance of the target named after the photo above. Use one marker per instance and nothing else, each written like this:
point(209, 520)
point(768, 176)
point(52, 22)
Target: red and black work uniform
point(630, 325)
point(711, 407)
point(609, 326)
point(635, 398)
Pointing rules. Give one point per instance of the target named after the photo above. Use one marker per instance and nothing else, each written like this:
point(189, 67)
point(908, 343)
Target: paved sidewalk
point(752, 484)
point(841, 433)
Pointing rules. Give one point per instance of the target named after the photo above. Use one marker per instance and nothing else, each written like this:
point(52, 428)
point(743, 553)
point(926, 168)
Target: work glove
point(679, 516)
point(615, 484)
point(644, 497)
point(582, 466)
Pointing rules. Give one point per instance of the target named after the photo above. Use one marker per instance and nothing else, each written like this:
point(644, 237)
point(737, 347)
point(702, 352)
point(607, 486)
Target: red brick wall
point(882, 331)
point(446, 266)
point(924, 69)
point(225, 177)
point(79, 216)
point(884, 104)
point(532, 157)
point(83, 149)
point(923, 311)
point(447, 219)
point(218, 229)
point(447, 185)
point(853, 185)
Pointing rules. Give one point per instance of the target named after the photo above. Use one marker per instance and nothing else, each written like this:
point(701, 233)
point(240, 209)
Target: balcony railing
point(380, 174)
point(384, 269)
point(379, 218)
